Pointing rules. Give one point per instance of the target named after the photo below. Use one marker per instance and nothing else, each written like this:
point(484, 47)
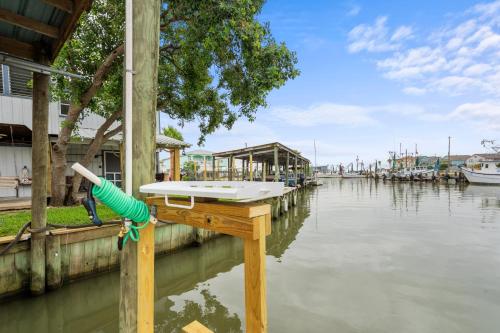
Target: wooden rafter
point(69, 25)
point(17, 48)
point(28, 23)
point(65, 5)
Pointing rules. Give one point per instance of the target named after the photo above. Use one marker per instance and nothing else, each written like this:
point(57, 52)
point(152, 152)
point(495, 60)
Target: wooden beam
point(64, 5)
point(238, 209)
point(28, 23)
point(69, 25)
point(17, 48)
point(255, 282)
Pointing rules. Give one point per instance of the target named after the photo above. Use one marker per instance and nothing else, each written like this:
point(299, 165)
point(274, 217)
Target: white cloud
point(477, 69)
point(485, 114)
point(461, 57)
point(376, 37)
point(403, 32)
point(414, 91)
point(354, 10)
point(324, 114)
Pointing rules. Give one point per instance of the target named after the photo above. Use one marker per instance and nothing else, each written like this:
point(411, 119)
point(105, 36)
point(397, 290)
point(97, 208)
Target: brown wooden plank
point(241, 209)
point(145, 280)
point(70, 236)
point(255, 282)
point(28, 23)
point(195, 327)
point(229, 225)
point(64, 5)
point(17, 48)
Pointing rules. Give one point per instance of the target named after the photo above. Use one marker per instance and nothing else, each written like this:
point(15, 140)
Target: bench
point(10, 182)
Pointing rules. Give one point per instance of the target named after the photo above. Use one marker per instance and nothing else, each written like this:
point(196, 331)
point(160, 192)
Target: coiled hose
point(125, 206)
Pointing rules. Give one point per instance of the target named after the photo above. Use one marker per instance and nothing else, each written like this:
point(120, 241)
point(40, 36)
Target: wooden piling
point(53, 261)
point(137, 258)
point(255, 281)
point(276, 165)
point(39, 164)
point(250, 166)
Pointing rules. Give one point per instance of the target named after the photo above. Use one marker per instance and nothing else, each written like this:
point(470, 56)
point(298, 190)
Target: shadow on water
point(92, 305)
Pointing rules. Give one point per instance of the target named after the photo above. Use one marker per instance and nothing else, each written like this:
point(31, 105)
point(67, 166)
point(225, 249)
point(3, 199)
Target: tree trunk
point(60, 148)
point(100, 138)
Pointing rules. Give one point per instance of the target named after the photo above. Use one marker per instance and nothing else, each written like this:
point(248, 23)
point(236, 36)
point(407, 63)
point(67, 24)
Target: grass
point(11, 222)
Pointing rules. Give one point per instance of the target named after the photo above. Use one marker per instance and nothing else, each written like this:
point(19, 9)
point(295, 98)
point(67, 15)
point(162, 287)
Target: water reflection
point(355, 255)
point(92, 305)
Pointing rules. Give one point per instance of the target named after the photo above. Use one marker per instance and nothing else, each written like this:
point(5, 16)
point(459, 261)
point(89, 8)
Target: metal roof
point(262, 153)
point(28, 27)
point(162, 141)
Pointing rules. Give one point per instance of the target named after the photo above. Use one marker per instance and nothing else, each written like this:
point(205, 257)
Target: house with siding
point(15, 136)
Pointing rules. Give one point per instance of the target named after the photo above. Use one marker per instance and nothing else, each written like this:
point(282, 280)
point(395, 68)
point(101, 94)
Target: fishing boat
point(486, 172)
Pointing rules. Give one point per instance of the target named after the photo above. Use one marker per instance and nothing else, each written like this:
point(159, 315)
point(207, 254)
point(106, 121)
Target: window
point(64, 109)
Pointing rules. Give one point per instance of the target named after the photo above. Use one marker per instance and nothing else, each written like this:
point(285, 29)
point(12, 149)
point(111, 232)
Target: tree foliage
point(99, 33)
point(173, 132)
point(218, 62)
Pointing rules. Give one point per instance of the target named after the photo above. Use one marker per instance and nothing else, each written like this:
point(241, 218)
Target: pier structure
point(267, 162)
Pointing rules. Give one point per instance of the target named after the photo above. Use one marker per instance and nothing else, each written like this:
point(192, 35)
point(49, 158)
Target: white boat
point(488, 173)
point(352, 175)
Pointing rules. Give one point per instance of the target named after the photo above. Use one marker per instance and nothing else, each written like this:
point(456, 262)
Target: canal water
point(354, 256)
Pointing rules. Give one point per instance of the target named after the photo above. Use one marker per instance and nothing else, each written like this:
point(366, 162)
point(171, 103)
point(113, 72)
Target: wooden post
point(230, 168)
point(39, 163)
point(286, 167)
point(255, 281)
point(137, 258)
point(204, 168)
point(213, 168)
point(264, 171)
point(177, 165)
point(276, 165)
point(250, 166)
point(295, 171)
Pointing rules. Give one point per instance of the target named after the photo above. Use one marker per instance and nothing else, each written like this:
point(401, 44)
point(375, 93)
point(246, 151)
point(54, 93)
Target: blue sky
point(377, 73)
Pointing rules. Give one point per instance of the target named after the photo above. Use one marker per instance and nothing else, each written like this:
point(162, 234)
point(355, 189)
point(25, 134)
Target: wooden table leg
point(255, 281)
point(146, 279)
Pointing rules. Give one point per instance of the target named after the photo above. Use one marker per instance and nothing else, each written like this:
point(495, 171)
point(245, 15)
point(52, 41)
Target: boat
point(486, 172)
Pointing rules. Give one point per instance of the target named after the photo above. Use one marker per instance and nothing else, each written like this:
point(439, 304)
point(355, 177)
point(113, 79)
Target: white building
point(15, 135)
point(478, 158)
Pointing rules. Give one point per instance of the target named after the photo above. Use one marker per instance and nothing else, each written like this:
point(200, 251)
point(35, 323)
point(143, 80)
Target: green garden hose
point(125, 206)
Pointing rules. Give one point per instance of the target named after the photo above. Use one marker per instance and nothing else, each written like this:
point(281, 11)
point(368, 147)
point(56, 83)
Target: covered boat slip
point(32, 32)
point(267, 162)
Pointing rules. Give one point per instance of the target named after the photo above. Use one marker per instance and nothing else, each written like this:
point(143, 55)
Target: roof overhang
point(37, 29)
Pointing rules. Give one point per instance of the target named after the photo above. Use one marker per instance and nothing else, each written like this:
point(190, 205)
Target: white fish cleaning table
point(216, 208)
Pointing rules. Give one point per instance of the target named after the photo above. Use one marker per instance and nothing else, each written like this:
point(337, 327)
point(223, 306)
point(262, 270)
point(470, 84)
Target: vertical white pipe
point(128, 95)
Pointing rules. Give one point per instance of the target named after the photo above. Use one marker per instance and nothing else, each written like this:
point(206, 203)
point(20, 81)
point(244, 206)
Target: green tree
point(173, 132)
point(217, 63)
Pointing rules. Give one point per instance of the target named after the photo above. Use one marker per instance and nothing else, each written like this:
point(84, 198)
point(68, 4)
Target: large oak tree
point(218, 63)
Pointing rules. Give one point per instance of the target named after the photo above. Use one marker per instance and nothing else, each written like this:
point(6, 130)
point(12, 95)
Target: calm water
point(355, 256)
